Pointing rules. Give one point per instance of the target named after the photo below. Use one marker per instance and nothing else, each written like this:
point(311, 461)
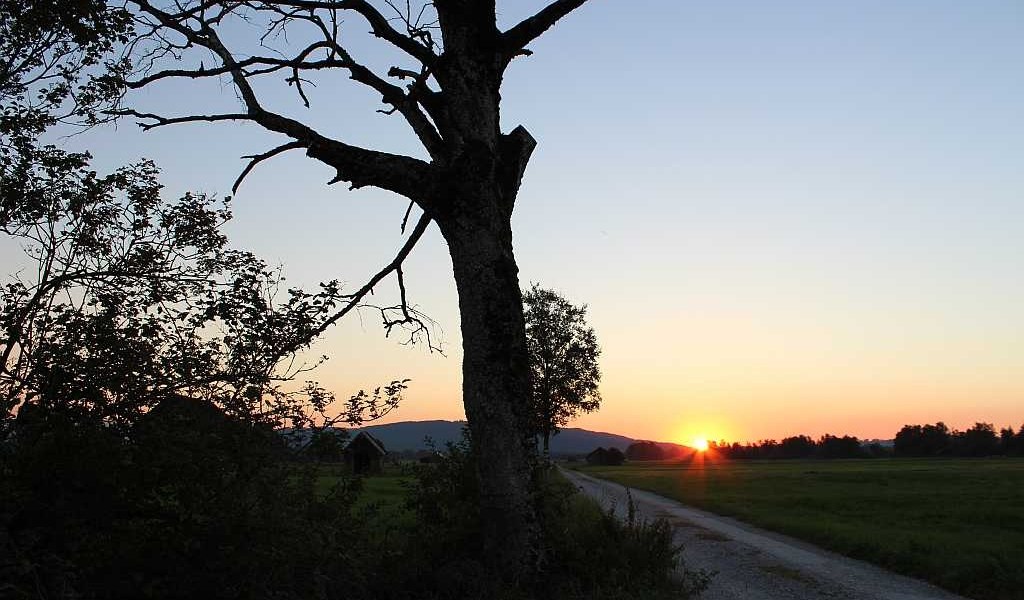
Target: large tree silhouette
point(447, 88)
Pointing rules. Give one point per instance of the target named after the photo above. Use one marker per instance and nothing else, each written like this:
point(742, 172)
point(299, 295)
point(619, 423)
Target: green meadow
point(383, 494)
point(958, 522)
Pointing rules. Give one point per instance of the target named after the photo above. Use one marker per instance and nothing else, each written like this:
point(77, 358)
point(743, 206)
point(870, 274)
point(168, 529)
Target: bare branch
point(258, 158)
point(361, 167)
point(516, 39)
point(378, 23)
point(159, 121)
point(356, 298)
point(405, 219)
point(271, 64)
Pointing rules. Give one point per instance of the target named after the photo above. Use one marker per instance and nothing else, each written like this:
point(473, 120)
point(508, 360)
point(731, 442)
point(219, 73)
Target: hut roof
point(365, 439)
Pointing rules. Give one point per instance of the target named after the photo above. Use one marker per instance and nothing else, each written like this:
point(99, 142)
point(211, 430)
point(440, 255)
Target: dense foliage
point(145, 367)
point(144, 364)
point(53, 69)
point(190, 507)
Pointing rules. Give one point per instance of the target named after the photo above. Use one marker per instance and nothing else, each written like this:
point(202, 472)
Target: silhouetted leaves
point(145, 364)
point(563, 354)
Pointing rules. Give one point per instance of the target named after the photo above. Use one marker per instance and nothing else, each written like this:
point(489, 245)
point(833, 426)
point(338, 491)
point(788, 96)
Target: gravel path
point(753, 564)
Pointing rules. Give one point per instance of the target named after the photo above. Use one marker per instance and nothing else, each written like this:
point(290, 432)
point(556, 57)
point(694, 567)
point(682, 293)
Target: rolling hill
point(412, 435)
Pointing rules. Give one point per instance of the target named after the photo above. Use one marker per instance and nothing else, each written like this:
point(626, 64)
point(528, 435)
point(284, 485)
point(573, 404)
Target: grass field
point(382, 495)
point(958, 523)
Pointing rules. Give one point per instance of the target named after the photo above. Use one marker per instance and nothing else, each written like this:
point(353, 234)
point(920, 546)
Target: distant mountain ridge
point(412, 435)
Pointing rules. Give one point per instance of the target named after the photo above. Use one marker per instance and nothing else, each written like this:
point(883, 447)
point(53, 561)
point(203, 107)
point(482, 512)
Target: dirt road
point(753, 564)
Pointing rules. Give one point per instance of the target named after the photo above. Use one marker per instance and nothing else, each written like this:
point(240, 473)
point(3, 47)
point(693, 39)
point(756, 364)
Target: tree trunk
point(495, 380)
point(480, 181)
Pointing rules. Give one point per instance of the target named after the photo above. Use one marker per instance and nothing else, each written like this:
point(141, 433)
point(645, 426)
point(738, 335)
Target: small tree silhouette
point(563, 361)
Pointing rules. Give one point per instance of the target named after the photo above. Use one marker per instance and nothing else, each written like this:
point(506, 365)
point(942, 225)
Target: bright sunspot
point(699, 444)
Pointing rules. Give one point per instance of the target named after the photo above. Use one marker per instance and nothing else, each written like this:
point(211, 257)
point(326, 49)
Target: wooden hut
point(611, 456)
point(597, 457)
point(365, 454)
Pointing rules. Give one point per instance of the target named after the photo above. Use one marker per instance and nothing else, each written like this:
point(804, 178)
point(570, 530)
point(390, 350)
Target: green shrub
point(599, 555)
point(585, 552)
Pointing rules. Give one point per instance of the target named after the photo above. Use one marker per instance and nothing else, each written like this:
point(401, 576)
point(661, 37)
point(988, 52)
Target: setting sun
point(699, 444)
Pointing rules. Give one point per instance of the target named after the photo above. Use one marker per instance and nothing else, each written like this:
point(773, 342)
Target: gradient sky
point(786, 217)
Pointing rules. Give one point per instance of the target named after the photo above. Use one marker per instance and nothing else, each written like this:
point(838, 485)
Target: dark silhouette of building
point(196, 414)
point(610, 456)
point(179, 427)
point(365, 454)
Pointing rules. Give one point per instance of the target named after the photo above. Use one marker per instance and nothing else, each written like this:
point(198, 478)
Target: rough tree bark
point(481, 186)
point(495, 383)
point(451, 100)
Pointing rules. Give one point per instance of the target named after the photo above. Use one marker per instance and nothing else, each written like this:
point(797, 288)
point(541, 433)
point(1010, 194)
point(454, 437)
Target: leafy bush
point(585, 552)
point(595, 554)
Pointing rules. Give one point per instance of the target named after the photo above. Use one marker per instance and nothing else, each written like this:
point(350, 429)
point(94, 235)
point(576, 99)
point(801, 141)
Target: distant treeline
point(802, 446)
point(912, 440)
point(937, 440)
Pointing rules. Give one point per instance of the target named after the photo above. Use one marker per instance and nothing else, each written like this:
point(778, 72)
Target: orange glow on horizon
point(699, 444)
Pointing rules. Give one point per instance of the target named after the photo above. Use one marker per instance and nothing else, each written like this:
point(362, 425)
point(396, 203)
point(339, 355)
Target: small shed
point(611, 456)
point(365, 454)
point(597, 457)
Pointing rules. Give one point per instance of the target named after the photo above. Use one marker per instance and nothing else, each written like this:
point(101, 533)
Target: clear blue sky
point(786, 217)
